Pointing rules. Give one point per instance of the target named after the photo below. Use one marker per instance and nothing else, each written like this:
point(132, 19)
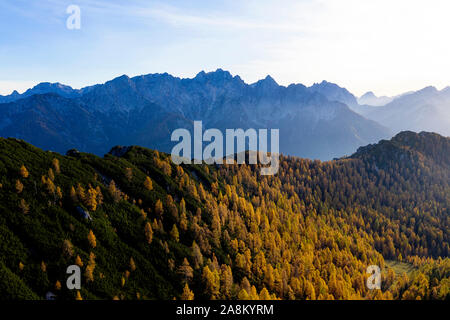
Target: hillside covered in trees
point(141, 227)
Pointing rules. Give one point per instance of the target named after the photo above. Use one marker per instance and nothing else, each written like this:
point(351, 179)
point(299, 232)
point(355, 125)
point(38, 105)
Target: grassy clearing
point(400, 267)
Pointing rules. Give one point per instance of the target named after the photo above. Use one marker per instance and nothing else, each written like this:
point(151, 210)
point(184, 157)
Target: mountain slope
point(145, 110)
point(411, 148)
point(424, 110)
point(334, 93)
point(161, 231)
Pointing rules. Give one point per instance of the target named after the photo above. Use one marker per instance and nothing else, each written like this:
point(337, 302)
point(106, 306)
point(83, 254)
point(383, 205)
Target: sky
point(385, 46)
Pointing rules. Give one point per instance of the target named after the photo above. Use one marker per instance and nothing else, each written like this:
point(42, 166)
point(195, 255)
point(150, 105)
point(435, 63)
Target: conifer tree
point(67, 248)
point(92, 239)
point(78, 261)
point(24, 172)
point(132, 264)
point(148, 183)
point(159, 210)
point(148, 232)
point(19, 186)
point(187, 293)
point(174, 233)
point(186, 271)
point(56, 166)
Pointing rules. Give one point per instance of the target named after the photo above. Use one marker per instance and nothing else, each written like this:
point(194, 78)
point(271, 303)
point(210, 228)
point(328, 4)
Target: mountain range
point(427, 109)
point(321, 122)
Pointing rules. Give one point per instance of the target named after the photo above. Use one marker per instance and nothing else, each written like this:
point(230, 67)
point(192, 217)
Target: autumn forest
point(140, 227)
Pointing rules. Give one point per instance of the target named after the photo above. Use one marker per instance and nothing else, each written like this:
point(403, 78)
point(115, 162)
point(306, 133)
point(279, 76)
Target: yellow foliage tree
point(24, 172)
point(174, 233)
point(78, 261)
point(148, 183)
point(132, 264)
point(50, 186)
point(183, 222)
point(159, 210)
point(212, 282)
point(187, 293)
point(19, 186)
point(91, 199)
point(99, 196)
point(23, 205)
point(51, 175)
point(243, 295)
point(81, 193)
point(56, 165)
point(148, 232)
point(59, 193)
point(89, 272)
point(264, 294)
point(92, 239)
point(73, 195)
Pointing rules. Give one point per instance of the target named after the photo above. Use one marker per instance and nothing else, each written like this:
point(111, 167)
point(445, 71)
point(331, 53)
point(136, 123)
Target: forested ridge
point(141, 227)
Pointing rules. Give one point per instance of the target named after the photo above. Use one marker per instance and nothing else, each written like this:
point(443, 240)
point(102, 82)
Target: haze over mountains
point(369, 98)
point(424, 110)
point(322, 121)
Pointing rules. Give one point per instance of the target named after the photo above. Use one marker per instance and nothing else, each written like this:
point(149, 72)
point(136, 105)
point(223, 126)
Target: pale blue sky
point(387, 46)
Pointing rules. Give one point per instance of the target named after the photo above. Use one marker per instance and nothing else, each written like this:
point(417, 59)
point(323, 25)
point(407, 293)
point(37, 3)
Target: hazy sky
point(387, 46)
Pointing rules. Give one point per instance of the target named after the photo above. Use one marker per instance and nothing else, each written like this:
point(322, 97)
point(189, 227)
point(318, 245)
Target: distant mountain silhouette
point(314, 122)
point(424, 110)
point(369, 98)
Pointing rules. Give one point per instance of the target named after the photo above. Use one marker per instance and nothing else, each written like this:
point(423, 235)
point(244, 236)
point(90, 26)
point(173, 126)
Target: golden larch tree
point(174, 233)
point(91, 199)
point(78, 261)
point(51, 175)
point(148, 183)
point(92, 239)
point(159, 210)
point(19, 186)
point(186, 271)
point(56, 166)
point(148, 232)
point(187, 293)
point(24, 172)
point(23, 205)
point(132, 264)
point(73, 194)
